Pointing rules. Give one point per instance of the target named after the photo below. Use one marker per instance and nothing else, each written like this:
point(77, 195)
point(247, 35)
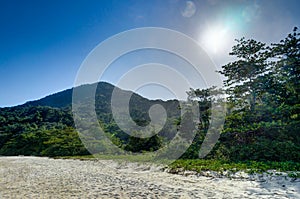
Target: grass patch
point(77, 157)
point(292, 168)
point(198, 165)
point(143, 158)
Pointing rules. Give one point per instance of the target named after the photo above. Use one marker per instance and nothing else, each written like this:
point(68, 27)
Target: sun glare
point(214, 39)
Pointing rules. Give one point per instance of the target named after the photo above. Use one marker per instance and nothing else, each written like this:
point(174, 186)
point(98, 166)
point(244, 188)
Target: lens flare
point(215, 39)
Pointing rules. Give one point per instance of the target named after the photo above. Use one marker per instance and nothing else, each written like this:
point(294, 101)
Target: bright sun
point(215, 39)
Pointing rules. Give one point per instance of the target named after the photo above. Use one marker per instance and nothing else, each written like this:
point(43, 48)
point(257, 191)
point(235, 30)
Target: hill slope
point(46, 126)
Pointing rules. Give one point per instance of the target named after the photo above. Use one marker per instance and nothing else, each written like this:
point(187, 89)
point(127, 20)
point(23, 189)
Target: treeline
point(263, 104)
point(36, 128)
point(40, 131)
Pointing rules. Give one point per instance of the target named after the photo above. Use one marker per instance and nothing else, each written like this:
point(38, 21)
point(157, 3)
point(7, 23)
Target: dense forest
point(261, 93)
point(46, 127)
point(263, 104)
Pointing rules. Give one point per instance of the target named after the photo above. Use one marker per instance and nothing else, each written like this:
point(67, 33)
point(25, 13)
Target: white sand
point(34, 177)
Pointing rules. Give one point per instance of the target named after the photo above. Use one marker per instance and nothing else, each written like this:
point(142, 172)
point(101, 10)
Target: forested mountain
point(46, 126)
point(262, 89)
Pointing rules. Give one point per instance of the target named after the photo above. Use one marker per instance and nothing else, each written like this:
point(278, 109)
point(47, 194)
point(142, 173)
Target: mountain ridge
point(63, 99)
point(46, 126)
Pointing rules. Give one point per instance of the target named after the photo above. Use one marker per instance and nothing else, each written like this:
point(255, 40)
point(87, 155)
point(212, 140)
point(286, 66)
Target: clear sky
point(43, 43)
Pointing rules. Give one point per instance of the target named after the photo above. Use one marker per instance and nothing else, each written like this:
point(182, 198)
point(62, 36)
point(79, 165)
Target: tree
point(287, 67)
point(205, 98)
point(244, 74)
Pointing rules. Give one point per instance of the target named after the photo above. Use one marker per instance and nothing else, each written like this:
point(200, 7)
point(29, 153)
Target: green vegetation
point(46, 128)
point(143, 158)
point(261, 129)
point(41, 131)
point(247, 166)
point(263, 103)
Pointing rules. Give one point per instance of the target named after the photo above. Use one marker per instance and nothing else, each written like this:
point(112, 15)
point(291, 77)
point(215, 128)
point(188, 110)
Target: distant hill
point(46, 126)
point(64, 98)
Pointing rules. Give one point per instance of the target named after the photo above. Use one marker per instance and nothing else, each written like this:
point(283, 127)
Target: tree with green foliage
point(287, 67)
point(243, 75)
point(269, 129)
point(205, 98)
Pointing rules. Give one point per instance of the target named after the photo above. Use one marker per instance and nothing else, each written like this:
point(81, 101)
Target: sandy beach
point(36, 177)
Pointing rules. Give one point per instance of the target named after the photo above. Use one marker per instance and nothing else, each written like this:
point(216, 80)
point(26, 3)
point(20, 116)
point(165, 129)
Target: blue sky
point(43, 43)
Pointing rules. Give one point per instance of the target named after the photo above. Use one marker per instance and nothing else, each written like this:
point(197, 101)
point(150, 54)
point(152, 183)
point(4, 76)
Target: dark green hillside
point(46, 126)
point(37, 130)
point(64, 98)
